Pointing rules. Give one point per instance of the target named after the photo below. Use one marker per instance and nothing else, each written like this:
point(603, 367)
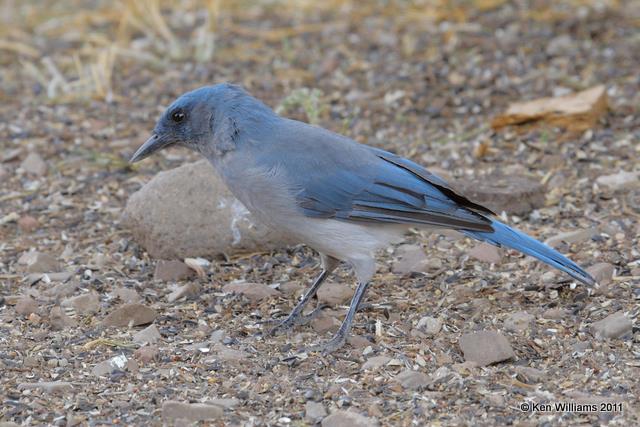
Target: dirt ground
point(81, 84)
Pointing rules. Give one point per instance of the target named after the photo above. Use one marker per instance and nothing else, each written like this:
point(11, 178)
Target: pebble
point(38, 262)
point(253, 291)
point(529, 375)
point(83, 304)
point(186, 291)
point(314, 412)
point(615, 325)
point(412, 258)
point(485, 347)
point(172, 271)
point(116, 363)
point(334, 294)
point(486, 253)
point(603, 272)
point(375, 362)
point(130, 315)
point(58, 320)
point(148, 335)
point(53, 387)
point(227, 354)
point(513, 194)
point(33, 164)
point(344, 418)
point(429, 325)
point(324, 322)
point(413, 380)
point(26, 306)
point(226, 403)
point(620, 181)
point(555, 313)
point(28, 224)
point(571, 237)
point(191, 412)
point(518, 321)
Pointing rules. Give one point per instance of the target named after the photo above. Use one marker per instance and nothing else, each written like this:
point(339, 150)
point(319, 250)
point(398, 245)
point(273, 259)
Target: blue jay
point(344, 199)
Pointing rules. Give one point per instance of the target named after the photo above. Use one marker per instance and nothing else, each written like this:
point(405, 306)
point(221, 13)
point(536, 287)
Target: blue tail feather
point(503, 235)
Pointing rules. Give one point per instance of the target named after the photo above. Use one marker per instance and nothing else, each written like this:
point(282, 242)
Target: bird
point(342, 198)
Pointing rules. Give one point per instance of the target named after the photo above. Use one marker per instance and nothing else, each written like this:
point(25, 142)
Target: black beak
point(153, 144)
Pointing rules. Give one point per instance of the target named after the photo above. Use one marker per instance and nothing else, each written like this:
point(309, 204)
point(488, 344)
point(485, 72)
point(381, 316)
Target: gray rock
point(189, 212)
point(130, 315)
point(191, 412)
point(486, 253)
point(253, 291)
point(53, 387)
point(314, 412)
point(325, 322)
point(116, 363)
point(602, 272)
point(512, 194)
point(485, 347)
point(126, 295)
point(518, 321)
point(613, 326)
point(83, 304)
point(375, 362)
point(38, 262)
point(335, 294)
point(348, 419)
point(555, 313)
point(529, 375)
point(571, 237)
point(58, 320)
point(188, 290)
point(148, 335)
point(411, 258)
point(226, 403)
point(34, 165)
point(429, 325)
point(620, 181)
point(172, 271)
point(413, 380)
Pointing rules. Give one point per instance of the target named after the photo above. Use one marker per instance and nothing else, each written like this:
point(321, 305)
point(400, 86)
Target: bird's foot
point(335, 343)
point(294, 319)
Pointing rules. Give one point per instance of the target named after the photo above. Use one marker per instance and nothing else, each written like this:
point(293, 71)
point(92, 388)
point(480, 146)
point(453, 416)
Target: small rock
point(148, 335)
point(429, 325)
point(226, 403)
point(172, 271)
point(560, 45)
point(130, 315)
point(34, 165)
point(513, 194)
point(375, 362)
point(411, 258)
point(58, 320)
point(189, 212)
point(28, 224)
point(603, 272)
point(291, 288)
point(314, 412)
point(38, 262)
point(126, 295)
point(518, 321)
point(348, 419)
point(613, 326)
point(413, 380)
point(83, 304)
point(334, 294)
point(54, 387)
point(117, 363)
point(26, 306)
point(571, 237)
point(620, 181)
point(227, 354)
point(190, 412)
point(187, 290)
point(146, 354)
point(253, 291)
point(529, 375)
point(357, 341)
point(485, 347)
point(3, 172)
point(555, 313)
point(324, 322)
point(486, 253)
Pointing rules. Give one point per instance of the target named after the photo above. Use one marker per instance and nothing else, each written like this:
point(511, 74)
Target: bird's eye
point(177, 116)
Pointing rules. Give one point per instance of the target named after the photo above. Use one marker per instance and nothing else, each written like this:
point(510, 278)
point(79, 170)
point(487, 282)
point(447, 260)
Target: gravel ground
point(81, 88)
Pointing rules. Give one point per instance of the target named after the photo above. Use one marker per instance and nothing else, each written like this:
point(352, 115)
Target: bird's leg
point(340, 337)
point(295, 317)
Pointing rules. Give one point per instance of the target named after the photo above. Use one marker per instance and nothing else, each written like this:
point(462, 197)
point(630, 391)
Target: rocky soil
point(96, 331)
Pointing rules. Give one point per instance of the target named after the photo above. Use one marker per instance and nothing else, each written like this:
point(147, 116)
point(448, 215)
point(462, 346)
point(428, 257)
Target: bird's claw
point(293, 319)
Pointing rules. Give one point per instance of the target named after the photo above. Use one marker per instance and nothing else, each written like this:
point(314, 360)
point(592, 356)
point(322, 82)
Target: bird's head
point(207, 120)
